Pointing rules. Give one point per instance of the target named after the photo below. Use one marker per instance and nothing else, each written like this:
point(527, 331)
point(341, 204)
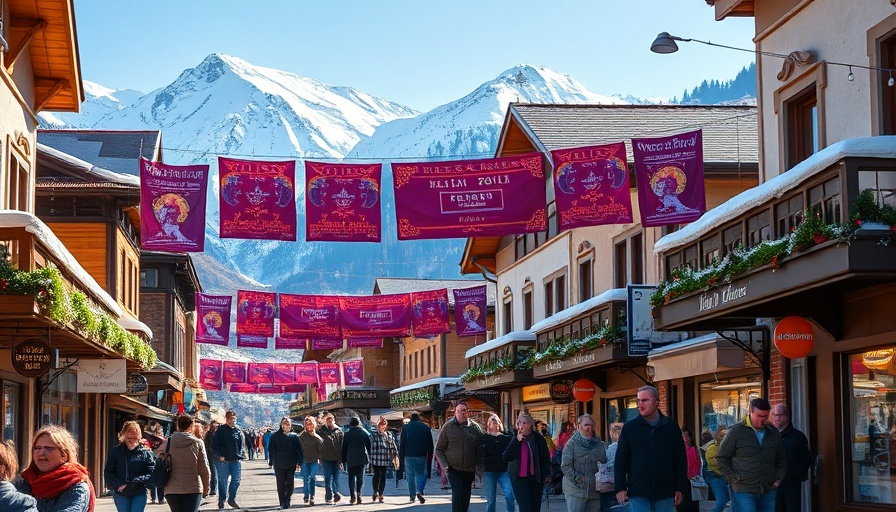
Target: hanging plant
point(565, 347)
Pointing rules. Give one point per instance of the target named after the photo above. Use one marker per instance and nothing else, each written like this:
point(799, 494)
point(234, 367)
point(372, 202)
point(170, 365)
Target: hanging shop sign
point(561, 391)
point(137, 384)
point(32, 358)
point(794, 337)
point(537, 392)
point(102, 376)
point(583, 390)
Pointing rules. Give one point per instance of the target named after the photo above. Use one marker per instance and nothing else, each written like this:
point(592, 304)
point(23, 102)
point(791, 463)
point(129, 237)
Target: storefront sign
point(716, 298)
point(537, 392)
point(593, 357)
point(102, 376)
point(32, 358)
point(639, 320)
point(561, 391)
point(583, 390)
point(794, 337)
point(137, 384)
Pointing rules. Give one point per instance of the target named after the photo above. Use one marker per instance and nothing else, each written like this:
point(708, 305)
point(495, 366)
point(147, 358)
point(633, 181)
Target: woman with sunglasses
point(55, 478)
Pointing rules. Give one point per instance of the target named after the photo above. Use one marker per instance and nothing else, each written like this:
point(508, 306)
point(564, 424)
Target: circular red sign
point(794, 337)
point(583, 390)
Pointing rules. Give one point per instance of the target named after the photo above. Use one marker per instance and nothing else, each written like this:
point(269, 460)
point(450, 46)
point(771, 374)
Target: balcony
point(496, 363)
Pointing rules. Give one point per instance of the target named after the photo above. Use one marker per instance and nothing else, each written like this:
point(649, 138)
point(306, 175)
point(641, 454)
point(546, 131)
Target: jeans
point(645, 505)
point(492, 479)
point(355, 481)
point(331, 478)
point(719, 489)
point(286, 484)
point(379, 479)
point(528, 493)
point(461, 488)
point(309, 472)
point(184, 502)
point(232, 471)
point(415, 468)
point(157, 493)
point(135, 503)
point(575, 504)
point(749, 502)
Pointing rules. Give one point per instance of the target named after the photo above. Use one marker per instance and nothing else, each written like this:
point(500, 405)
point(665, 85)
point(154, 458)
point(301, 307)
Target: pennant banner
point(213, 312)
point(326, 343)
point(328, 373)
point(257, 199)
point(234, 372)
point(430, 312)
point(290, 343)
point(470, 308)
point(210, 373)
point(255, 313)
point(243, 388)
point(342, 202)
point(261, 373)
point(379, 315)
point(353, 372)
point(365, 342)
point(591, 186)
point(470, 198)
point(250, 341)
point(284, 373)
point(306, 373)
point(295, 388)
point(172, 206)
point(669, 173)
point(268, 389)
point(306, 316)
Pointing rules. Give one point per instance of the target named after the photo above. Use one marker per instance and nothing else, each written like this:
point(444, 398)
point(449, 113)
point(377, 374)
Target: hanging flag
point(210, 374)
point(172, 206)
point(376, 315)
point(290, 343)
point(213, 312)
point(243, 388)
point(430, 316)
point(284, 373)
point(257, 199)
point(326, 343)
point(269, 389)
point(591, 186)
point(261, 373)
point(255, 313)
point(365, 342)
point(353, 372)
point(295, 388)
point(328, 373)
point(306, 316)
point(342, 202)
point(470, 198)
point(306, 373)
point(470, 311)
point(251, 341)
point(234, 372)
point(669, 173)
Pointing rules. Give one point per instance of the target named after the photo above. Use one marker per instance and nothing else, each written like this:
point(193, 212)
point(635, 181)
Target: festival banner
point(326, 343)
point(257, 199)
point(328, 373)
point(210, 374)
point(342, 202)
point(430, 312)
point(365, 342)
point(270, 389)
point(284, 373)
point(243, 388)
point(251, 341)
point(376, 315)
point(353, 372)
point(669, 173)
point(213, 312)
point(470, 311)
point(306, 316)
point(290, 343)
point(306, 373)
point(234, 372)
point(470, 198)
point(295, 388)
point(261, 373)
point(255, 313)
point(172, 206)
point(591, 186)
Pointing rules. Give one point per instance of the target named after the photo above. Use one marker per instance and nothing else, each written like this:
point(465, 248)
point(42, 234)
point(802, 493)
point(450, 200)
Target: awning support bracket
point(762, 357)
point(623, 369)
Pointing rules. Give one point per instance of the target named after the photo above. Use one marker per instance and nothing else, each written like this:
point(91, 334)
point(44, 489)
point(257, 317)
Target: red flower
point(712, 281)
point(3, 284)
point(857, 221)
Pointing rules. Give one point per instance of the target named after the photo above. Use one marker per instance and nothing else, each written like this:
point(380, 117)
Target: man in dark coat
point(416, 443)
point(286, 457)
point(355, 455)
point(458, 449)
point(799, 460)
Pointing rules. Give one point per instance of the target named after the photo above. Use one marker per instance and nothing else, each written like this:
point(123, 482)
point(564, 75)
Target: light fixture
point(850, 76)
point(890, 81)
point(665, 43)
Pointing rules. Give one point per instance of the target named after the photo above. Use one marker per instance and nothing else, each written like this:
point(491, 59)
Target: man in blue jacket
point(416, 442)
point(651, 463)
point(229, 447)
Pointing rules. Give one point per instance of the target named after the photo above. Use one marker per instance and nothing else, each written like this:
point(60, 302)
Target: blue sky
point(415, 52)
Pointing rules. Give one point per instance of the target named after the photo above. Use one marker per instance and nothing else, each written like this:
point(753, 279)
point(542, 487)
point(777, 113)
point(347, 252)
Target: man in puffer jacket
point(458, 450)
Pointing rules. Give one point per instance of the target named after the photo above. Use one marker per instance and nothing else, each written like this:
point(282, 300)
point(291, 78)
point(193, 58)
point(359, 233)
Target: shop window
point(789, 214)
point(620, 410)
point(12, 413)
point(872, 417)
point(727, 402)
point(824, 201)
point(801, 126)
point(61, 406)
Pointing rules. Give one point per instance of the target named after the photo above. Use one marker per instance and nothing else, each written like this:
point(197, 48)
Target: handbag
point(160, 473)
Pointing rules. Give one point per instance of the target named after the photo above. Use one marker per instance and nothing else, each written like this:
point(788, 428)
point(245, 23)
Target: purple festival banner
point(353, 372)
point(210, 373)
point(306, 316)
point(281, 343)
point(261, 373)
point(251, 341)
point(669, 173)
point(284, 373)
point(365, 343)
point(375, 315)
point(255, 313)
point(470, 308)
point(257, 199)
point(295, 388)
point(306, 373)
point(326, 343)
point(269, 389)
point(328, 373)
point(470, 198)
point(591, 186)
point(172, 206)
point(234, 372)
point(243, 388)
point(213, 312)
point(430, 312)
point(342, 202)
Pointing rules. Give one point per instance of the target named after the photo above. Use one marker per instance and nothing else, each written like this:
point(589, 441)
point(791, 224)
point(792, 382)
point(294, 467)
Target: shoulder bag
point(160, 474)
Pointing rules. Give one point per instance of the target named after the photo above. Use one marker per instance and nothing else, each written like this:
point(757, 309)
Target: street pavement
point(258, 492)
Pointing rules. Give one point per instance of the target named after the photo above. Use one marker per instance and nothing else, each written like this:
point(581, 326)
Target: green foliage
point(491, 367)
point(415, 396)
point(565, 347)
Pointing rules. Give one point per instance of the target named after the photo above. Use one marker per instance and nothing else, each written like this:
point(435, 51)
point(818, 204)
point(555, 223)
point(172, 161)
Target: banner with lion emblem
point(342, 202)
point(591, 186)
point(257, 199)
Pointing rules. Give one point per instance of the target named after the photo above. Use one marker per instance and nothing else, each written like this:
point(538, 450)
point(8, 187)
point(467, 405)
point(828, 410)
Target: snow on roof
point(33, 225)
point(579, 309)
point(500, 341)
point(130, 323)
point(88, 167)
point(690, 343)
point(874, 147)
point(430, 382)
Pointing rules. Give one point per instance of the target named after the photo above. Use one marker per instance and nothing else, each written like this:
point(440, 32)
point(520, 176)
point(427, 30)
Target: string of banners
point(276, 378)
point(324, 321)
point(454, 199)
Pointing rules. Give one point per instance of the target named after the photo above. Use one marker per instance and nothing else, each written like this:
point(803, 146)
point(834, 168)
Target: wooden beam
point(34, 26)
point(57, 85)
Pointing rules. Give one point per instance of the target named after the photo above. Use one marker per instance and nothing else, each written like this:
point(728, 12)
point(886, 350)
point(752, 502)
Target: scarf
point(50, 485)
point(527, 460)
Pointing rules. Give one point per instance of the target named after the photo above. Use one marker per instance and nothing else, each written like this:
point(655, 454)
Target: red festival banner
point(251, 341)
point(284, 373)
point(591, 186)
point(342, 202)
point(376, 315)
point(430, 312)
point(257, 199)
point(243, 388)
point(295, 388)
point(328, 373)
point(210, 373)
point(353, 372)
point(213, 312)
point(306, 373)
point(669, 173)
point(290, 343)
point(234, 372)
point(326, 343)
point(470, 198)
point(365, 343)
point(306, 316)
point(172, 206)
point(255, 313)
point(261, 373)
point(470, 311)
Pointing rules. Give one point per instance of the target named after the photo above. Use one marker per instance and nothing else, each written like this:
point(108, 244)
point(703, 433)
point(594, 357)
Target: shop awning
point(134, 406)
point(696, 356)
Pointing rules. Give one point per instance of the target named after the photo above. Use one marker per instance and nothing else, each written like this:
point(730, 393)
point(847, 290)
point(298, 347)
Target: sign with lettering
point(720, 297)
point(102, 376)
point(561, 391)
point(794, 337)
point(32, 358)
point(172, 206)
point(591, 186)
point(536, 392)
point(583, 390)
point(639, 320)
point(669, 172)
point(137, 384)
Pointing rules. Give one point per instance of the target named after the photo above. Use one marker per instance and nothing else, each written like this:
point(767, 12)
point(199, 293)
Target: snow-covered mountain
point(98, 103)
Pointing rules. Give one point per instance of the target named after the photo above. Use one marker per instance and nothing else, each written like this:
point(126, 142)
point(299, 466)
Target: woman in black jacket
point(355, 455)
point(285, 456)
point(128, 468)
point(494, 442)
point(529, 464)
